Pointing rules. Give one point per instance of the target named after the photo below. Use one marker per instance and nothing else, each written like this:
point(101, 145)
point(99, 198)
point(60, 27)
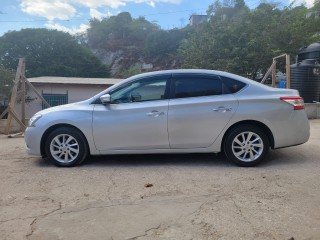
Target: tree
point(6, 83)
point(119, 31)
point(316, 5)
point(49, 53)
point(131, 71)
point(140, 29)
point(239, 4)
point(244, 42)
point(161, 43)
point(130, 42)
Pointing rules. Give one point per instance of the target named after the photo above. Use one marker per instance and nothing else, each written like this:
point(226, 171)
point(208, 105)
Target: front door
point(136, 118)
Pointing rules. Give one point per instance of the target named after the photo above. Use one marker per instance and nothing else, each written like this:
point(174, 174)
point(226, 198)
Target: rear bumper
point(294, 131)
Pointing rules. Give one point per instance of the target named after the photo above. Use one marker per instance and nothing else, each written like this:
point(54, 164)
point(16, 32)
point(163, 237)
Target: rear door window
point(194, 85)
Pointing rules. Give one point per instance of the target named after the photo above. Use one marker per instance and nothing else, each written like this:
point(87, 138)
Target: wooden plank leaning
point(36, 91)
point(13, 99)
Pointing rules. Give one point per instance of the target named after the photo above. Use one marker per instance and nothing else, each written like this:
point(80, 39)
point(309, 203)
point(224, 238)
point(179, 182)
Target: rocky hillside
point(131, 46)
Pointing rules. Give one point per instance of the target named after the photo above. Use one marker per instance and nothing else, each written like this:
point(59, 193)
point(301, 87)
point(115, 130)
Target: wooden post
point(288, 74)
point(15, 116)
point(274, 73)
point(38, 94)
point(273, 68)
point(4, 113)
point(12, 103)
point(23, 95)
point(283, 55)
point(267, 73)
point(19, 78)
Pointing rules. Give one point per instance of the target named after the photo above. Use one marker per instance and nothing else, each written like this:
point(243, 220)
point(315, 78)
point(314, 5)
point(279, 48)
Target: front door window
point(140, 91)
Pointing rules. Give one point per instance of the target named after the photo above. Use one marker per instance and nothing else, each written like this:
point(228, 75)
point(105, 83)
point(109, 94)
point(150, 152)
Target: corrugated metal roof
point(74, 80)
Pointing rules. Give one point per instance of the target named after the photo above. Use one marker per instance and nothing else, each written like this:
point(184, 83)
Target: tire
point(66, 147)
point(246, 145)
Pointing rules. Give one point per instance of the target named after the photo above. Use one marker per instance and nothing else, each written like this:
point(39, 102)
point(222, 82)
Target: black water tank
point(309, 52)
point(305, 77)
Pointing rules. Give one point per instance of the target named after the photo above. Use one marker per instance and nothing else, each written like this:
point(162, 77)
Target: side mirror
point(105, 99)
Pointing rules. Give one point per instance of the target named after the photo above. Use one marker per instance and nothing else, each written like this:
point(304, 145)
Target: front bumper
point(32, 138)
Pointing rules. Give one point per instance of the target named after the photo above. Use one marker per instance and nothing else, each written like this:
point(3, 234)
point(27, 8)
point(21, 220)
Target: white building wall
point(76, 93)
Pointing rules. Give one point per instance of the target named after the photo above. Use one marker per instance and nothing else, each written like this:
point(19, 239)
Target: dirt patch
point(193, 196)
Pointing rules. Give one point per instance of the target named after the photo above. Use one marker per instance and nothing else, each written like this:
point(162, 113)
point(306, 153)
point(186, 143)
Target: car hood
point(70, 106)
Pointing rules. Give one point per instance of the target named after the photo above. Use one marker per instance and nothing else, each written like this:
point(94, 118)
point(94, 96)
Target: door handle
point(222, 109)
point(154, 114)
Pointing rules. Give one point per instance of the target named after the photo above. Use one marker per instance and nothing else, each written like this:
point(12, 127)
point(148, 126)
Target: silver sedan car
point(177, 111)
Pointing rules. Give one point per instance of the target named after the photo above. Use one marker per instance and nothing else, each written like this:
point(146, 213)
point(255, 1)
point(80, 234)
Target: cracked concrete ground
point(195, 196)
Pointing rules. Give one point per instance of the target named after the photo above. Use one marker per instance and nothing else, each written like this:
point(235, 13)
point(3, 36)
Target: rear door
point(198, 110)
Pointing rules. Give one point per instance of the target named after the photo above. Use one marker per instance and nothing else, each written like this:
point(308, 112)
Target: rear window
point(232, 86)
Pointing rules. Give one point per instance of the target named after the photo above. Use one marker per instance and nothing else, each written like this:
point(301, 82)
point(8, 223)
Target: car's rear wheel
point(246, 145)
point(66, 147)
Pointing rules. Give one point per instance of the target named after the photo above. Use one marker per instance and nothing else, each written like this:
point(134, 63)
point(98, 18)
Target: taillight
point(296, 102)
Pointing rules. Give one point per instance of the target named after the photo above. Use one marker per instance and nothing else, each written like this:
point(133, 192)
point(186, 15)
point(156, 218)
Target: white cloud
point(307, 3)
point(50, 9)
point(99, 3)
point(155, 1)
point(64, 9)
point(152, 4)
point(94, 13)
point(73, 30)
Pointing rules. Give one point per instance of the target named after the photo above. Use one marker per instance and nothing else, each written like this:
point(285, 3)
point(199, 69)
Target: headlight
point(33, 120)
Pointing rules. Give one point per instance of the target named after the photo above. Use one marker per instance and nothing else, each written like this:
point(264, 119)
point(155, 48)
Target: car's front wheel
point(66, 147)
point(246, 145)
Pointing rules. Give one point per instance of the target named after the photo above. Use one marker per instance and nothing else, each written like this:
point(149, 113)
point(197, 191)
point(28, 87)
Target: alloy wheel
point(247, 146)
point(64, 148)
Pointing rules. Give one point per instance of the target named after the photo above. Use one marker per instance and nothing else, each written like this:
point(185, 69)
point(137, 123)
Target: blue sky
point(73, 15)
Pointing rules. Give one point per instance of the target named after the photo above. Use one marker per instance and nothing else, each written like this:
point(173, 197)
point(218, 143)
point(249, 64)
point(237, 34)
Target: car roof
point(198, 71)
point(178, 71)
